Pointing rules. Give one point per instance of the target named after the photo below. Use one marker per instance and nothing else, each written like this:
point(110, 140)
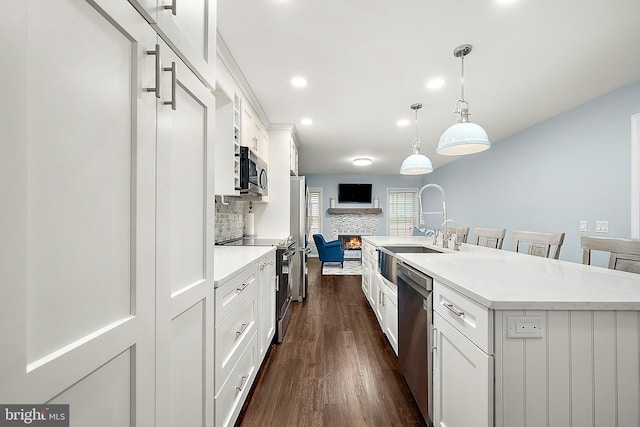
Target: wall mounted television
point(354, 193)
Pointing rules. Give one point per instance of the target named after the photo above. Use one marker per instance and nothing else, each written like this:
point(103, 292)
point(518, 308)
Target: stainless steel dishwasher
point(415, 317)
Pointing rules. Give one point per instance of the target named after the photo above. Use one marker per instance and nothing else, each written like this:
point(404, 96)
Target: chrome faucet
point(446, 236)
point(444, 206)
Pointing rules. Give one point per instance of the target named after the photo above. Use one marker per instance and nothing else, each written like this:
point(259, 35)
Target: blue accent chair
point(328, 251)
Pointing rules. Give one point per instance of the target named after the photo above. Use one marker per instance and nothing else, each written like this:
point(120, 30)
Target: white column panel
point(535, 374)
point(628, 362)
point(581, 342)
point(604, 368)
point(513, 377)
point(559, 371)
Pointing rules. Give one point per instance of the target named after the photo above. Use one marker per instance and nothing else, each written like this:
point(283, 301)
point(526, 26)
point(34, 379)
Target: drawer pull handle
point(242, 288)
point(173, 85)
point(172, 7)
point(242, 329)
point(156, 53)
point(242, 383)
point(453, 310)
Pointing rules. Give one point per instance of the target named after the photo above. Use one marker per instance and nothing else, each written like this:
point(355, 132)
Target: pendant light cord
point(462, 78)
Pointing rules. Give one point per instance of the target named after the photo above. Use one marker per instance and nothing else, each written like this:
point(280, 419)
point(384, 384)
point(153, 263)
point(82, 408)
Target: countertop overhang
point(230, 260)
point(504, 280)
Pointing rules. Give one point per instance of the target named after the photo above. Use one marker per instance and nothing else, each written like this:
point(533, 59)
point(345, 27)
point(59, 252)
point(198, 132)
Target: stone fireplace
point(349, 228)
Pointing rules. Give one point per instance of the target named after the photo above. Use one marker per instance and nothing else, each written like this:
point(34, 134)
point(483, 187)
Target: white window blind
point(315, 196)
point(402, 211)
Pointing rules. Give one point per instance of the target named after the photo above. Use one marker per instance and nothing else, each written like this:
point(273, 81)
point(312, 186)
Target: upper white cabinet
point(254, 134)
point(188, 26)
point(227, 142)
point(293, 158)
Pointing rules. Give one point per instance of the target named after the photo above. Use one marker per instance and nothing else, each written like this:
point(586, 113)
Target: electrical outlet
point(525, 326)
point(602, 226)
point(583, 225)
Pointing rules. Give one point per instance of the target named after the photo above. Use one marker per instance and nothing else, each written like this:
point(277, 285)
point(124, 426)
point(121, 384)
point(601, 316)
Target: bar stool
point(461, 232)
point(539, 242)
point(625, 253)
point(490, 237)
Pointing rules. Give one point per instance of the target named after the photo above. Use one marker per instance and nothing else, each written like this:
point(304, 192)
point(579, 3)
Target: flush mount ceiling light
point(416, 163)
point(464, 137)
point(299, 81)
point(306, 121)
point(362, 161)
point(435, 83)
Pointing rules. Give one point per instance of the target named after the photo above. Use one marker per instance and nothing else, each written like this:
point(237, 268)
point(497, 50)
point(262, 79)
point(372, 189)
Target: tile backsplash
point(229, 219)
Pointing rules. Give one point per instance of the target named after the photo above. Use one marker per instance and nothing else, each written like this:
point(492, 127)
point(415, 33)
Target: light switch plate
point(525, 326)
point(602, 226)
point(583, 225)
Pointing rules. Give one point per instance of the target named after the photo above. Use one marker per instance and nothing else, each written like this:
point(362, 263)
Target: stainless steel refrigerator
point(300, 234)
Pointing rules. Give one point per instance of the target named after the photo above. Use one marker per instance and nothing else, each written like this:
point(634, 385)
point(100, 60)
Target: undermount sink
point(412, 250)
point(387, 262)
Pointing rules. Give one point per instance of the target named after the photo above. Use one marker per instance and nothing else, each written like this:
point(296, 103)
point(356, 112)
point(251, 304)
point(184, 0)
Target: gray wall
point(380, 184)
point(574, 166)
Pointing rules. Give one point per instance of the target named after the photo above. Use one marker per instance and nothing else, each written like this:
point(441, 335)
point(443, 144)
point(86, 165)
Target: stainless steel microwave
point(253, 173)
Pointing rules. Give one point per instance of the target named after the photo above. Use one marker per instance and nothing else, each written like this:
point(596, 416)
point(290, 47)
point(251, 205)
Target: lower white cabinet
point(462, 379)
point(244, 328)
point(390, 323)
point(267, 283)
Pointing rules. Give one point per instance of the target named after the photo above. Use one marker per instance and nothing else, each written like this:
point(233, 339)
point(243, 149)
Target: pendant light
point(464, 137)
point(416, 163)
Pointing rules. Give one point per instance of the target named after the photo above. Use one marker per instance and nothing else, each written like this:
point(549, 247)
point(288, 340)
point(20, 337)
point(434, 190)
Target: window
point(402, 211)
point(315, 208)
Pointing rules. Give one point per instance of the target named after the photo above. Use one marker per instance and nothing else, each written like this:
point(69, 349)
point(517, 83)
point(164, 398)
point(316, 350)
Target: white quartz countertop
point(504, 280)
point(229, 260)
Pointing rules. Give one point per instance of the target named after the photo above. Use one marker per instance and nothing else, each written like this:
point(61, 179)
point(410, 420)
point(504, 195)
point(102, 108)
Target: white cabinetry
point(254, 134)
point(382, 295)
point(189, 27)
point(267, 284)
point(462, 361)
point(236, 358)
point(390, 322)
point(227, 142)
point(108, 225)
point(293, 157)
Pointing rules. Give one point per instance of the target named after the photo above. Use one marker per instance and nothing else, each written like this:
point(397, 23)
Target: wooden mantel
point(343, 211)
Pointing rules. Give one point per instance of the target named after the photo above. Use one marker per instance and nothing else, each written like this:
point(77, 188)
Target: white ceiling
point(367, 61)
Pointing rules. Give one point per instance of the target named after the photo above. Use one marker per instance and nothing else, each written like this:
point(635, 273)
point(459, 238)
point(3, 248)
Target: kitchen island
point(547, 342)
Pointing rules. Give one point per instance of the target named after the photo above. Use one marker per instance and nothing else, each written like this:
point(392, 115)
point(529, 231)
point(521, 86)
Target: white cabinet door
point(184, 233)
point(379, 308)
point(77, 220)
point(189, 26)
point(462, 380)
point(266, 304)
point(391, 318)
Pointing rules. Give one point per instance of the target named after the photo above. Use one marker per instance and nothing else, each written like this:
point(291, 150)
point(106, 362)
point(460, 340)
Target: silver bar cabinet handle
point(277, 283)
point(241, 287)
point(171, 7)
point(242, 329)
point(173, 85)
point(156, 53)
point(434, 343)
point(453, 310)
point(242, 383)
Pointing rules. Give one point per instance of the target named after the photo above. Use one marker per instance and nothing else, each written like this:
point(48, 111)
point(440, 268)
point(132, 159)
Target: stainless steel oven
point(254, 177)
point(285, 253)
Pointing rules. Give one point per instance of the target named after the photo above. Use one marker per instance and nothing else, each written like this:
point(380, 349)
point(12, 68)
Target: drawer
point(230, 293)
point(473, 320)
point(231, 397)
point(231, 337)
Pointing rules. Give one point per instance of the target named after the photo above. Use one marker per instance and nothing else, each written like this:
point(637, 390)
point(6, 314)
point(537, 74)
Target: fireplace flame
point(353, 243)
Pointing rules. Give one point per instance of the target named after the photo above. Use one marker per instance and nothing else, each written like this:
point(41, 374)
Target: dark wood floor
point(334, 368)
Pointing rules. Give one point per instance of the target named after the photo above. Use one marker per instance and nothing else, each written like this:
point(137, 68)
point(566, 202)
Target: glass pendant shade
point(416, 164)
point(463, 138)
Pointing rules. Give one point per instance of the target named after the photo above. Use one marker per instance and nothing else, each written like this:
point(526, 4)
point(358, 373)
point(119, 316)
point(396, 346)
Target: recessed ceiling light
point(306, 122)
point(362, 161)
point(505, 2)
point(436, 83)
point(299, 81)
point(403, 122)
